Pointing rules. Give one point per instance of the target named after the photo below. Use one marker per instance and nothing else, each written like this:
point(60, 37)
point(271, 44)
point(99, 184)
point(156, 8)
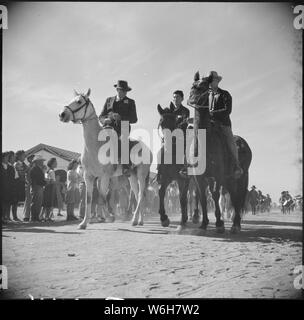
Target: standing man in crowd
point(5, 191)
point(253, 199)
point(21, 168)
point(37, 184)
point(72, 195)
point(82, 190)
point(125, 107)
point(27, 203)
point(13, 181)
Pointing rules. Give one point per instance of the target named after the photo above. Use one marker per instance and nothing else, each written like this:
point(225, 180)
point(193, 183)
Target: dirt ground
point(55, 260)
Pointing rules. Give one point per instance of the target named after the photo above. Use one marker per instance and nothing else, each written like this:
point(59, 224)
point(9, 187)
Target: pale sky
point(49, 49)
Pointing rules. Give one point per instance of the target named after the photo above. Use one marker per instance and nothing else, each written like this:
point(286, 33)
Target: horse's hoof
point(235, 229)
point(165, 223)
point(202, 231)
point(111, 218)
point(203, 226)
point(101, 220)
point(195, 220)
point(140, 223)
point(82, 226)
point(220, 229)
point(180, 228)
point(134, 223)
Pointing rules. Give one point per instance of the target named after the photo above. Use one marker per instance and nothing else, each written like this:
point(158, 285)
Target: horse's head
point(199, 92)
point(169, 120)
point(79, 109)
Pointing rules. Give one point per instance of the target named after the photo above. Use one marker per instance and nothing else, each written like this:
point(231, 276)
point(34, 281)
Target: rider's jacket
point(220, 106)
point(125, 108)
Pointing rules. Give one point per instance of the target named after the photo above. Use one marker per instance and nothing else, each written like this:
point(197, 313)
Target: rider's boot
point(238, 170)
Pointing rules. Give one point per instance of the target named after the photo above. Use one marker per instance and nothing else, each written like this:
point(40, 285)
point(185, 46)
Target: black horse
point(171, 171)
point(219, 165)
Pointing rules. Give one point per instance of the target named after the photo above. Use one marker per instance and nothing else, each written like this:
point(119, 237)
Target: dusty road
point(56, 260)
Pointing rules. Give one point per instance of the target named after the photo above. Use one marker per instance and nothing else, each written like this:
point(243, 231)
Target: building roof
point(62, 153)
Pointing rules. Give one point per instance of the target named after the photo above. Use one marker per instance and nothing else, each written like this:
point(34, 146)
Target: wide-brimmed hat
point(31, 156)
point(122, 84)
point(38, 157)
point(214, 75)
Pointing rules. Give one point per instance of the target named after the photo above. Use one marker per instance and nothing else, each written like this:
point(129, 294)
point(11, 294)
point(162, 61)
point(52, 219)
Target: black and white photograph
point(151, 150)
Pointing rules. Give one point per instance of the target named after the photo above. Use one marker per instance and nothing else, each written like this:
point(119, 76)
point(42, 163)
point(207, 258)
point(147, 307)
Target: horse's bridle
point(85, 105)
point(159, 126)
point(196, 106)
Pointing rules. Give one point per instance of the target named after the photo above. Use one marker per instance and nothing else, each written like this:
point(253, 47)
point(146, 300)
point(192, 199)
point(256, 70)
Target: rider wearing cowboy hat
point(122, 105)
point(220, 106)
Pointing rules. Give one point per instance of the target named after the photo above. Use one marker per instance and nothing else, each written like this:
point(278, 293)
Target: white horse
point(81, 110)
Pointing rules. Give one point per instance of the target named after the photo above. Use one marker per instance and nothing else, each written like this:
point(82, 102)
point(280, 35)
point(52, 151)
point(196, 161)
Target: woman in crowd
point(12, 185)
point(21, 169)
point(59, 195)
point(50, 189)
point(72, 189)
point(5, 194)
point(82, 191)
point(27, 203)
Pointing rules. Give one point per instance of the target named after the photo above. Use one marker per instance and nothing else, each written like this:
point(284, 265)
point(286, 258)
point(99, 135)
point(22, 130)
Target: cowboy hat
point(121, 84)
point(214, 76)
point(38, 157)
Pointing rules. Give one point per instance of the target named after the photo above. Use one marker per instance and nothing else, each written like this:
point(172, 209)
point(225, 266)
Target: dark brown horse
point(219, 165)
point(171, 171)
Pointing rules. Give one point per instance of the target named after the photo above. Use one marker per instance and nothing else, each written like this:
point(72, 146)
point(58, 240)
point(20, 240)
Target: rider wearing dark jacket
point(180, 111)
point(122, 105)
point(220, 107)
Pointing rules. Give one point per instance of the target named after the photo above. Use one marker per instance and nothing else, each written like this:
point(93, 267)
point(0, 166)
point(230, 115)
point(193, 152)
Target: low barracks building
point(47, 152)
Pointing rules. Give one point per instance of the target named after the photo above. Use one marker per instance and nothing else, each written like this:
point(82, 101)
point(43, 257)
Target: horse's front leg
point(89, 180)
point(183, 189)
point(219, 224)
point(195, 216)
point(162, 212)
point(141, 178)
point(200, 191)
point(108, 205)
point(103, 184)
point(134, 189)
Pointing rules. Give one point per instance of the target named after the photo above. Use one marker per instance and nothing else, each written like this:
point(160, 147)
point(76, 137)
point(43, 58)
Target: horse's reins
point(196, 106)
point(86, 105)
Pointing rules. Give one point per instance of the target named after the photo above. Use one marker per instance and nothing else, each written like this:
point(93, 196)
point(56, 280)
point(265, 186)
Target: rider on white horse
point(122, 105)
